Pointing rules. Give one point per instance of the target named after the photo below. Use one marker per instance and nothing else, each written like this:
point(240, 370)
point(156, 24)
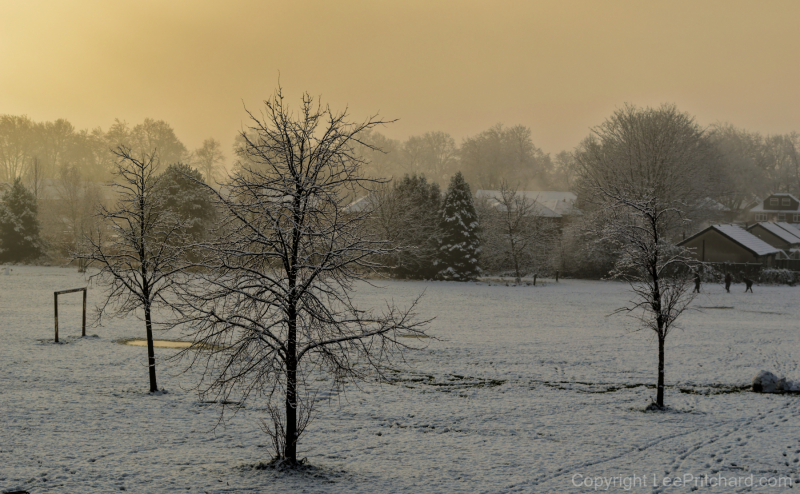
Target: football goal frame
point(55, 307)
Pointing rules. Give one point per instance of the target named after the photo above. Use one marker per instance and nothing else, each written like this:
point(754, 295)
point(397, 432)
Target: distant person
point(696, 283)
point(748, 285)
point(728, 280)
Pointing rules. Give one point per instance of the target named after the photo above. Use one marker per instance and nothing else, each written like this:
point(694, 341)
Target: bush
point(779, 277)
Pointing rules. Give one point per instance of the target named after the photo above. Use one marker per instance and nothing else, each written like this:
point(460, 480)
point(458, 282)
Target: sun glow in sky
point(558, 67)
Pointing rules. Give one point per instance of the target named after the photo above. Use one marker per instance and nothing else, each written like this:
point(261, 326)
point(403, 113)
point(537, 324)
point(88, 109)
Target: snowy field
point(526, 389)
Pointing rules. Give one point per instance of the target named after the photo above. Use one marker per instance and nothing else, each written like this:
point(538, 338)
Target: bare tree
point(17, 134)
point(273, 296)
point(433, 153)
point(209, 159)
point(503, 152)
point(35, 177)
point(69, 214)
point(564, 171)
point(143, 254)
point(643, 172)
point(516, 233)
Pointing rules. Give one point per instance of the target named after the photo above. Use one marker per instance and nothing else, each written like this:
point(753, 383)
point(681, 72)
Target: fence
point(715, 271)
point(790, 264)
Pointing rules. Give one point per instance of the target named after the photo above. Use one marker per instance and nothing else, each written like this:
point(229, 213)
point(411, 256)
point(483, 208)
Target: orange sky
point(558, 67)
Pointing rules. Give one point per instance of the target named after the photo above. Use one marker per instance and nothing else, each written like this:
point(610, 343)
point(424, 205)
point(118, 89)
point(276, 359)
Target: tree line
point(34, 151)
point(747, 163)
point(267, 283)
point(67, 171)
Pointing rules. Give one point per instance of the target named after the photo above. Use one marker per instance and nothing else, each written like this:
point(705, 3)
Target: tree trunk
point(290, 452)
point(151, 357)
point(660, 392)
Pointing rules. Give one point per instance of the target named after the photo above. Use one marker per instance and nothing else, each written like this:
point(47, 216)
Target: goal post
point(55, 307)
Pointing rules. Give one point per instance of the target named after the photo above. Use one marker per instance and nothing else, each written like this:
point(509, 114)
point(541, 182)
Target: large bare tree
point(643, 171)
point(273, 296)
point(142, 253)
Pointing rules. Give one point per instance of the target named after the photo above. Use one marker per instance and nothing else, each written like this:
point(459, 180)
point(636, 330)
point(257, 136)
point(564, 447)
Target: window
point(796, 218)
point(773, 201)
point(761, 216)
point(786, 201)
point(781, 216)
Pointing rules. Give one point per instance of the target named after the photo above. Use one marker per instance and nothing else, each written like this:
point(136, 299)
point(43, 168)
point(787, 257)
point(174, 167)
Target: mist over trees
point(755, 165)
point(67, 170)
point(36, 151)
point(485, 160)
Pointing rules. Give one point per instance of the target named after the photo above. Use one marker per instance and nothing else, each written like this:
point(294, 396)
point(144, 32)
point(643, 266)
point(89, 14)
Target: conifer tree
point(19, 225)
point(460, 245)
point(417, 219)
point(184, 194)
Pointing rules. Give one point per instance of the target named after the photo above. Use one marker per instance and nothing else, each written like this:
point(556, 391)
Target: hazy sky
point(557, 67)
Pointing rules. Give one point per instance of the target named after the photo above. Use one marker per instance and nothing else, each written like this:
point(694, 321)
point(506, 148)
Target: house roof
point(711, 204)
point(789, 228)
point(740, 236)
point(357, 206)
point(779, 232)
point(549, 204)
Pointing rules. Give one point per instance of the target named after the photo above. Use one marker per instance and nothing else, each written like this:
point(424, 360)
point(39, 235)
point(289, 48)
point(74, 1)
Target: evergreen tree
point(19, 225)
point(184, 194)
point(460, 244)
point(418, 204)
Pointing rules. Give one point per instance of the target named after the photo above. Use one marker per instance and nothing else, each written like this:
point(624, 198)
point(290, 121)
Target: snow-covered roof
point(711, 204)
point(495, 200)
point(745, 239)
point(779, 232)
point(562, 203)
point(357, 206)
point(789, 228)
point(549, 204)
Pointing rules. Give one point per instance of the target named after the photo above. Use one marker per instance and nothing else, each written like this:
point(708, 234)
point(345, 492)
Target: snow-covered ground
point(526, 389)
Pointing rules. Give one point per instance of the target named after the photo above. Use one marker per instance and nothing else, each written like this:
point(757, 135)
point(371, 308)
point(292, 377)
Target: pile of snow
point(767, 382)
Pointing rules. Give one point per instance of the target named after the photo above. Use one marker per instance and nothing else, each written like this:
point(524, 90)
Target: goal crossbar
point(55, 307)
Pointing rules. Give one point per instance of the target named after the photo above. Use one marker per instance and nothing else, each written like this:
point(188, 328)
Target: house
point(794, 230)
point(778, 236)
point(360, 205)
point(780, 207)
point(730, 243)
point(557, 206)
point(716, 211)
